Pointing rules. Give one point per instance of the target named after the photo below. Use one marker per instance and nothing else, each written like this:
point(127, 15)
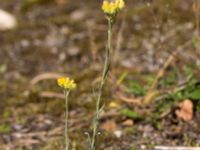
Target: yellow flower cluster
point(66, 83)
point(112, 8)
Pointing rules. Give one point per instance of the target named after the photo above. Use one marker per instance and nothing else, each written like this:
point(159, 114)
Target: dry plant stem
point(161, 72)
point(175, 148)
point(197, 5)
point(104, 76)
point(66, 92)
point(149, 97)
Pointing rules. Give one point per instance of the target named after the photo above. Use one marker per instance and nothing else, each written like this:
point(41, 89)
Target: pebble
point(118, 133)
point(7, 21)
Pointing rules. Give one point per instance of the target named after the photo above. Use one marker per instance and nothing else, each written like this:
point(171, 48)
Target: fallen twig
point(175, 148)
point(135, 101)
point(45, 76)
point(49, 94)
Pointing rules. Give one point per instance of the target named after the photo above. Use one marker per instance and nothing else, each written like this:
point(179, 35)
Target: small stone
point(185, 111)
point(128, 122)
point(73, 51)
point(7, 21)
point(118, 133)
point(78, 15)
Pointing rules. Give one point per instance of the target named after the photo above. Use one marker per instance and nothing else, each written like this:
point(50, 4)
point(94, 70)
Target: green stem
point(66, 92)
point(104, 76)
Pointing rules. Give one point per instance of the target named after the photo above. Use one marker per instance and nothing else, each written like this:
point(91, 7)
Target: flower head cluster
point(66, 83)
point(111, 8)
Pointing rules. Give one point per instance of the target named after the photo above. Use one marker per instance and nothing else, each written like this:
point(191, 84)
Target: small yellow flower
point(112, 8)
point(109, 8)
point(66, 83)
point(113, 105)
point(120, 4)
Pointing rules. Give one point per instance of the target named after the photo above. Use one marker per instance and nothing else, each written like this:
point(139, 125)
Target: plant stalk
point(101, 86)
point(66, 92)
point(197, 5)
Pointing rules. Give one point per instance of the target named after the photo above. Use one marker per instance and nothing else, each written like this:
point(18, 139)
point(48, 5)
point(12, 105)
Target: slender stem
point(197, 15)
point(101, 86)
point(66, 92)
point(196, 5)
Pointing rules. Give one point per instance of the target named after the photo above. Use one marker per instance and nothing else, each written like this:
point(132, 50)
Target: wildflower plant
point(67, 85)
point(111, 9)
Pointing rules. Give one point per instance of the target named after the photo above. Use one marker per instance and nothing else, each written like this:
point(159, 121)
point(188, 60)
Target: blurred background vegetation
point(152, 95)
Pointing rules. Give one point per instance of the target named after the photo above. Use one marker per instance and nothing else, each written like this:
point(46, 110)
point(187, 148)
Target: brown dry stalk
point(175, 148)
point(153, 92)
point(45, 76)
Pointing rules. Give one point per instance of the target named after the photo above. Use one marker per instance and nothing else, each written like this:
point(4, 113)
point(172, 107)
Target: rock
point(78, 15)
point(73, 51)
point(185, 111)
point(128, 122)
point(7, 21)
point(118, 133)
